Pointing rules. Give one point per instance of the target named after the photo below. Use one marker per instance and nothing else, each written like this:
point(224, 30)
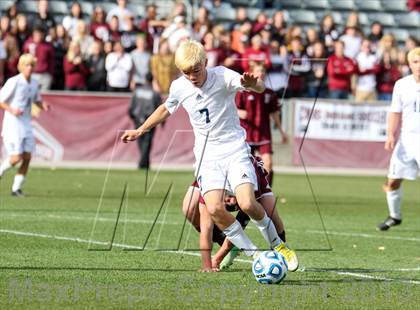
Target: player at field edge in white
point(16, 98)
point(208, 97)
point(403, 120)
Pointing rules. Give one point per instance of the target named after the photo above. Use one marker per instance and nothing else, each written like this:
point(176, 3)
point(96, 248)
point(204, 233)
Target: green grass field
point(56, 246)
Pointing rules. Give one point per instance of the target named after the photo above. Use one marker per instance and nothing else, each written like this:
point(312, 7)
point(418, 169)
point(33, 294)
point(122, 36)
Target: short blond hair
point(412, 53)
point(24, 60)
point(189, 54)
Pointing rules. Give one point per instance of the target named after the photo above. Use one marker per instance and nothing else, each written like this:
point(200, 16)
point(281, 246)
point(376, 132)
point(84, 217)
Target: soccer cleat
point(229, 258)
point(289, 255)
point(18, 193)
point(388, 223)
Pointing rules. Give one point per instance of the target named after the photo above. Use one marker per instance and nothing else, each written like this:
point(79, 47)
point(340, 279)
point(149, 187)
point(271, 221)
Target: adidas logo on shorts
point(244, 176)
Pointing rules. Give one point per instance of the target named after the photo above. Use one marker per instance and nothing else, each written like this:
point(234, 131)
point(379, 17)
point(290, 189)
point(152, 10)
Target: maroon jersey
point(258, 107)
point(264, 188)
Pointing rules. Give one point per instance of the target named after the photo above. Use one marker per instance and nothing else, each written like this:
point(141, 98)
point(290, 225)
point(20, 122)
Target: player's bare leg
point(226, 222)
point(190, 206)
point(10, 162)
point(267, 158)
point(21, 174)
point(268, 203)
point(393, 191)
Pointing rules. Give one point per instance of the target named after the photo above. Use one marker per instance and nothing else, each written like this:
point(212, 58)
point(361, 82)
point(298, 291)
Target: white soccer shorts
point(405, 161)
point(227, 173)
point(19, 146)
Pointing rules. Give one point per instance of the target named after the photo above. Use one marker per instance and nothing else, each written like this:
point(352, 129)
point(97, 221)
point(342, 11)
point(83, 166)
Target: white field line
point(139, 221)
point(362, 235)
point(54, 237)
point(74, 239)
point(365, 276)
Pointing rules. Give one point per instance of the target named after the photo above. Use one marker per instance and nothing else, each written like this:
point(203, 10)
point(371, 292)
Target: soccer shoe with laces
point(289, 255)
point(229, 258)
point(18, 193)
point(388, 223)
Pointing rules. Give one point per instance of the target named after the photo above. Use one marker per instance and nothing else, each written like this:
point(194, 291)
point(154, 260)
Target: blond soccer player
point(222, 155)
point(16, 98)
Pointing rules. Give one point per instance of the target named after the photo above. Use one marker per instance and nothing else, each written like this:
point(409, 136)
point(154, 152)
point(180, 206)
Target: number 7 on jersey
point(206, 111)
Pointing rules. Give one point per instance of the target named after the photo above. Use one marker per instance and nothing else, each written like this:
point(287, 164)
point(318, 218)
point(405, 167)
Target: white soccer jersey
point(212, 111)
point(19, 93)
point(406, 100)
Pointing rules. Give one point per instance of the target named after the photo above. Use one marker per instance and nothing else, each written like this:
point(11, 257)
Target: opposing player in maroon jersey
point(255, 111)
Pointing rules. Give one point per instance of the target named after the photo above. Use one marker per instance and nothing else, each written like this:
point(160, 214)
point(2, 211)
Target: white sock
point(394, 203)
point(237, 236)
point(18, 181)
point(5, 165)
point(268, 230)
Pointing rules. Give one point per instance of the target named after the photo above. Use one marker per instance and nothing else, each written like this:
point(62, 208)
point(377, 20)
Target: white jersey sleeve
point(232, 79)
point(8, 89)
point(396, 104)
point(172, 103)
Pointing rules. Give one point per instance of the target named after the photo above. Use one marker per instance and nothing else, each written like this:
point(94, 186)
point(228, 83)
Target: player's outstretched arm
point(157, 117)
point(394, 124)
point(251, 82)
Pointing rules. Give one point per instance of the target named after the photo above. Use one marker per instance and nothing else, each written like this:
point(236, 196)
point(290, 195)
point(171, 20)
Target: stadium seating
point(303, 17)
point(394, 6)
point(342, 5)
point(5, 4)
point(316, 4)
point(400, 34)
point(237, 3)
point(225, 13)
point(59, 7)
point(30, 7)
point(87, 7)
point(364, 19)
point(411, 19)
point(107, 6)
point(285, 4)
point(138, 10)
point(253, 12)
point(338, 18)
point(369, 6)
point(386, 19)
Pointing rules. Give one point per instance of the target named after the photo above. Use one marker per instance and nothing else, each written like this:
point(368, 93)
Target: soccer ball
point(269, 267)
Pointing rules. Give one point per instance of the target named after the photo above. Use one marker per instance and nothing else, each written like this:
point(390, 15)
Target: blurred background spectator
point(163, 68)
point(44, 53)
point(96, 64)
point(70, 22)
point(118, 65)
point(75, 70)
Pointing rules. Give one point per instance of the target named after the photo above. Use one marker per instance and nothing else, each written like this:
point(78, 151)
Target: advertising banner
point(340, 135)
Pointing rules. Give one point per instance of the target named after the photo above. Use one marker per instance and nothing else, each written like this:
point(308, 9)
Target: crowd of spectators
point(115, 50)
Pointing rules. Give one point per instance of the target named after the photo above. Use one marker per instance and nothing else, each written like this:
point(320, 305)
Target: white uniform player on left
point(16, 98)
